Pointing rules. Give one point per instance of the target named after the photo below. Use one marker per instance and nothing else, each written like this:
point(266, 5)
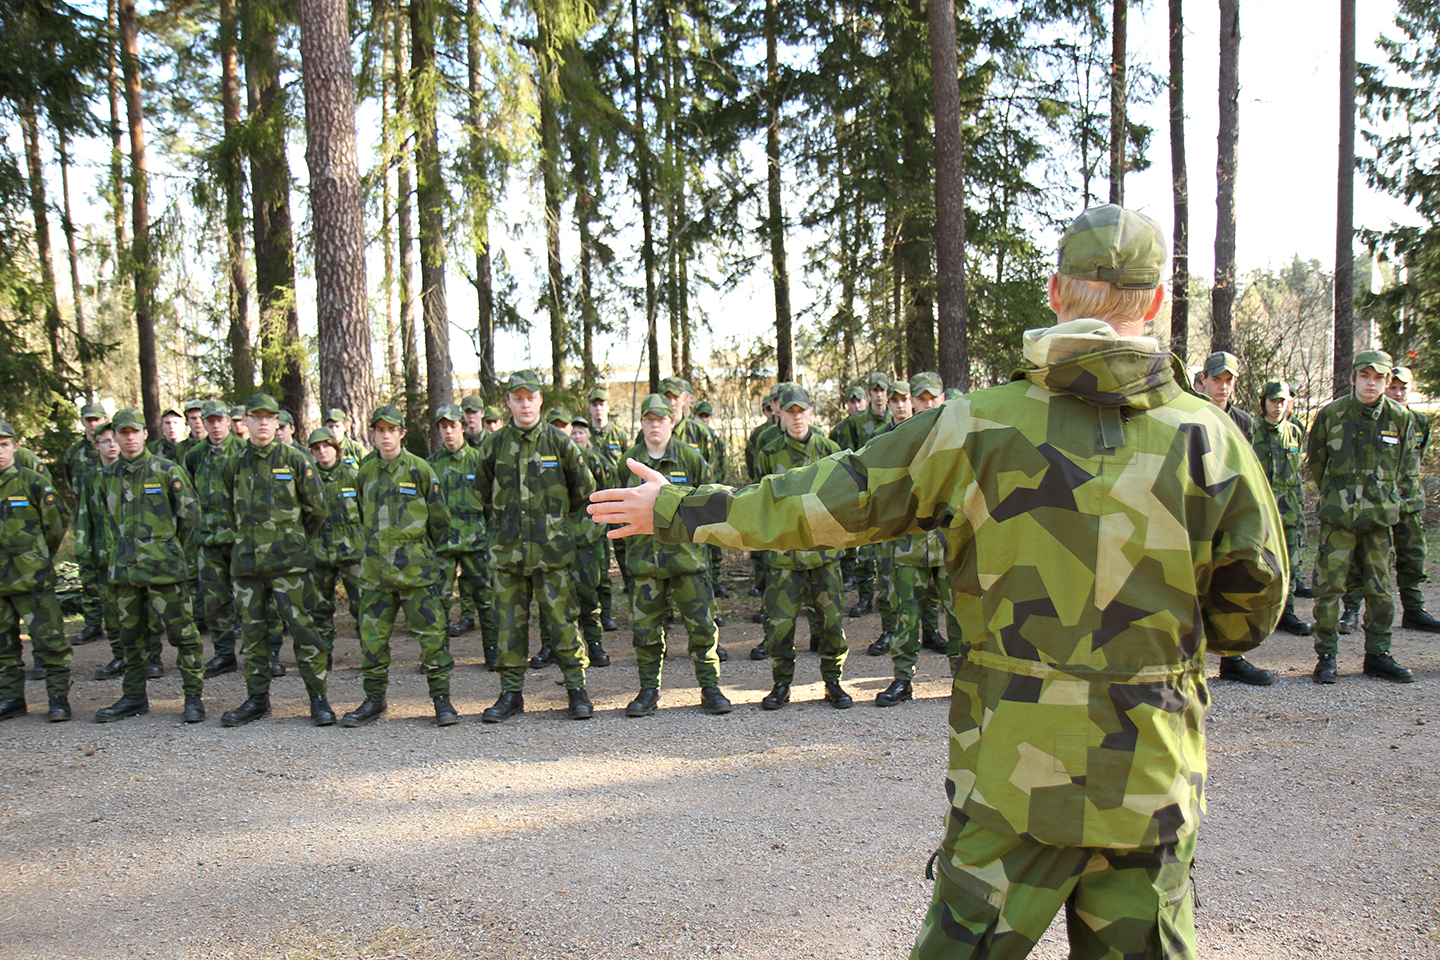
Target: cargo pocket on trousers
point(971, 913)
point(1175, 924)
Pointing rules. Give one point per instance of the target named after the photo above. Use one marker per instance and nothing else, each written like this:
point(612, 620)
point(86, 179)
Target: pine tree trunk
point(547, 83)
point(82, 333)
point(242, 355)
point(1180, 185)
point(144, 271)
point(1118, 125)
point(40, 211)
point(584, 214)
point(117, 152)
point(1222, 296)
point(642, 167)
point(775, 221)
point(484, 285)
point(951, 330)
point(430, 199)
point(1345, 207)
point(395, 387)
point(415, 420)
point(342, 307)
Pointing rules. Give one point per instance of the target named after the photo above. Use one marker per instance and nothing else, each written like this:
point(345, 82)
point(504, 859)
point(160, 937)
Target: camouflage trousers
point(1338, 549)
point(1294, 536)
point(217, 593)
point(326, 580)
point(587, 571)
point(1409, 558)
point(602, 589)
point(865, 572)
point(760, 567)
point(38, 614)
point(426, 618)
point(554, 592)
point(265, 601)
point(619, 547)
point(714, 558)
point(995, 895)
point(147, 611)
point(884, 559)
point(915, 596)
point(651, 602)
point(90, 602)
point(786, 591)
point(109, 613)
point(471, 571)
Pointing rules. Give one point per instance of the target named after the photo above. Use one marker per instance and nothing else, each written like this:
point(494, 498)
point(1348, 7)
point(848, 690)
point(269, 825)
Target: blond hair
point(1099, 300)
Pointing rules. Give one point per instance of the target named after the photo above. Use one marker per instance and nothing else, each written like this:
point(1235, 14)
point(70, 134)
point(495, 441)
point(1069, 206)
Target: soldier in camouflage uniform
point(351, 450)
point(474, 410)
point(492, 419)
point(667, 576)
point(1408, 534)
point(591, 572)
point(405, 522)
point(455, 464)
point(533, 481)
point(276, 508)
point(799, 577)
point(340, 545)
point(1279, 444)
point(767, 429)
point(151, 510)
point(32, 524)
point(215, 536)
point(852, 433)
point(1217, 380)
point(1105, 526)
point(1361, 450)
point(172, 431)
point(608, 439)
point(92, 547)
point(195, 429)
point(80, 460)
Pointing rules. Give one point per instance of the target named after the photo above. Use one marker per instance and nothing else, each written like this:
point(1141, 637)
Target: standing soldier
point(172, 431)
point(351, 450)
point(852, 433)
point(666, 575)
point(608, 439)
point(455, 465)
point(276, 508)
point(533, 482)
point(32, 524)
point(759, 558)
point(474, 410)
point(340, 546)
point(92, 547)
point(590, 550)
point(151, 509)
point(80, 461)
point(492, 419)
point(1218, 381)
point(1361, 455)
point(215, 535)
point(405, 523)
point(798, 577)
point(1279, 445)
point(1409, 534)
point(195, 428)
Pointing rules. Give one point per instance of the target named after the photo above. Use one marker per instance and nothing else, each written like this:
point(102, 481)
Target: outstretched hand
point(632, 507)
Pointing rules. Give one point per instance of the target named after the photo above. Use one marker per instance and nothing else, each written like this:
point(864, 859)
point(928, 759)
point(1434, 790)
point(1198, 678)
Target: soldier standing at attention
point(1279, 444)
point(1106, 526)
point(339, 547)
point(455, 464)
point(852, 433)
point(93, 547)
point(151, 510)
point(80, 461)
point(667, 575)
point(351, 450)
point(590, 550)
point(1409, 535)
point(533, 481)
point(608, 439)
point(172, 431)
point(215, 535)
point(276, 508)
point(492, 419)
point(237, 422)
point(405, 523)
point(195, 427)
point(1217, 381)
point(32, 524)
point(474, 410)
point(798, 577)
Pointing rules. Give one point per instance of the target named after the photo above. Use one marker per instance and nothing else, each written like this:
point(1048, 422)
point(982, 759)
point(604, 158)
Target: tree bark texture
point(430, 198)
point(642, 175)
point(484, 285)
point(117, 151)
point(1118, 124)
point(415, 421)
point(232, 174)
point(141, 258)
point(1180, 188)
point(40, 211)
point(547, 83)
point(82, 333)
point(1345, 207)
point(1222, 296)
point(342, 304)
point(775, 221)
point(950, 288)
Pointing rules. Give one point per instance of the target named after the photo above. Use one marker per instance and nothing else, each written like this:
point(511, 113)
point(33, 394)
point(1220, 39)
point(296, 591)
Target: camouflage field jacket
point(1360, 458)
point(151, 509)
point(405, 523)
point(32, 524)
point(532, 483)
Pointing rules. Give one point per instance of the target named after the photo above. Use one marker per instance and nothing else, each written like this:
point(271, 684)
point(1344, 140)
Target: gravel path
point(802, 833)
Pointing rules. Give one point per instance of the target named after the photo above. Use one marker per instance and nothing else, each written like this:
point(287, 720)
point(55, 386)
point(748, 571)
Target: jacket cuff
point(668, 527)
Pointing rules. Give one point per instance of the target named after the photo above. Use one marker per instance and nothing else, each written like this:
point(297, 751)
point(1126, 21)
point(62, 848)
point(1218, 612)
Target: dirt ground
point(800, 833)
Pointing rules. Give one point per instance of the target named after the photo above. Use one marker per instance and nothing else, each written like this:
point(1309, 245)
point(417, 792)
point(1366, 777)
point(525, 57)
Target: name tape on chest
point(154, 488)
point(18, 501)
point(680, 478)
point(549, 463)
point(408, 488)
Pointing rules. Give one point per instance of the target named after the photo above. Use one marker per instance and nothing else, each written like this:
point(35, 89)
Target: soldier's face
point(172, 428)
point(927, 400)
point(325, 454)
point(1276, 408)
point(704, 418)
point(7, 453)
point(387, 439)
point(217, 429)
point(855, 404)
point(795, 420)
point(493, 425)
point(1369, 385)
point(196, 423)
point(677, 406)
point(657, 430)
point(107, 447)
point(580, 434)
point(452, 434)
point(132, 441)
point(900, 408)
point(474, 421)
point(336, 427)
point(262, 426)
point(239, 429)
point(877, 399)
point(1397, 391)
point(599, 412)
point(524, 407)
point(1219, 388)
point(90, 423)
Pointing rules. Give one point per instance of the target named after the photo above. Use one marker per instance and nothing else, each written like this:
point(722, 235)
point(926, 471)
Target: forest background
point(402, 200)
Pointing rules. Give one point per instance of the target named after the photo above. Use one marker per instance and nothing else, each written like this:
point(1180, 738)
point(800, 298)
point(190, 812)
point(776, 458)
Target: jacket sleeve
point(186, 504)
point(438, 524)
point(52, 514)
point(1316, 450)
point(581, 480)
point(313, 510)
point(1251, 576)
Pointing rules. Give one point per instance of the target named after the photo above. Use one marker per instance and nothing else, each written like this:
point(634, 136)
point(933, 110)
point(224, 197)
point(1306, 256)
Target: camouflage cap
point(657, 404)
point(237, 412)
point(129, 418)
point(1116, 246)
point(558, 415)
point(878, 381)
point(953, 393)
point(898, 388)
point(492, 413)
point(928, 383)
point(523, 380)
point(600, 394)
point(103, 426)
point(1221, 362)
point(450, 412)
point(261, 403)
point(322, 435)
point(6, 430)
point(671, 386)
point(1404, 375)
point(335, 415)
point(579, 420)
point(390, 414)
point(196, 404)
point(214, 408)
point(1275, 389)
point(171, 412)
point(683, 384)
point(795, 395)
point(856, 392)
point(471, 403)
point(286, 420)
point(1379, 359)
point(92, 410)
point(704, 408)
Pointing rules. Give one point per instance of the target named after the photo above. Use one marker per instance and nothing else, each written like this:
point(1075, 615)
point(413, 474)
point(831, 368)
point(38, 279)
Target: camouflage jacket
point(206, 464)
point(915, 549)
point(352, 452)
point(781, 454)
point(1104, 528)
point(27, 458)
point(405, 523)
point(1360, 456)
point(164, 448)
point(588, 532)
point(646, 556)
point(532, 483)
point(341, 539)
point(456, 473)
point(92, 549)
point(1243, 419)
point(1412, 487)
point(80, 460)
point(855, 431)
point(610, 443)
point(276, 509)
point(759, 437)
point(32, 524)
point(151, 511)
point(1278, 447)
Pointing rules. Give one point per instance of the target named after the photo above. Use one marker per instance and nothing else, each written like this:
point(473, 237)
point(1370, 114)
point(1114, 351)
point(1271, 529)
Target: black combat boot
point(580, 706)
point(1293, 625)
point(462, 626)
point(861, 608)
point(1348, 620)
point(111, 670)
point(90, 634)
point(1419, 620)
point(1383, 665)
point(881, 646)
point(13, 708)
point(445, 715)
point(277, 667)
point(321, 713)
point(492, 656)
point(509, 703)
point(59, 709)
point(836, 696)
point(598, 656)
point(218, 665)
point(544, 658)
point(713, 701)
point(608, 624)
point(253, 708)
point(778, 696)
point(898, 692)
point(194, 709)
point(645, 703)
point(368, 712)
point(1325, 669)
point(1243, 671)
point(154, 668)
point(122, 708)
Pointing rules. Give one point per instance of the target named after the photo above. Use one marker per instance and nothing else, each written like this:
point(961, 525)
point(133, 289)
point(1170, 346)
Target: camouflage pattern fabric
point(1369, 551)
point(999, 898)
point(651, 601)
point(32, 525)
point(532, 483)
point(915, 593)
point(423, 614)
point(38, 614)
point(553, 591)
point(1103, 527)
point(217, 592)
point(92, 551)
point(589, 555)
point(163, 607)
point(1278, 447)
point(150, 509)
point(264, 602)
point(786, 591)
point(339, 549)
point(647, 557)
point(855, 431)
point(405, 524)
point(27, 458)
point(81, 460)
point(1243, 419)
point(1409, 537)
point(276, 508)
point(466, 544)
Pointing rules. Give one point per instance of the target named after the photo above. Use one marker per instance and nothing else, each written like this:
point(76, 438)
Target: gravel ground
point(801, 833)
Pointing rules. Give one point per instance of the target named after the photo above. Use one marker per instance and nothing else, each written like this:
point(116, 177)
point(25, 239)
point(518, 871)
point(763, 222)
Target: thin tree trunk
point(82, 333)
point(547, 83)
point(242, 356)
point(584, 214)
point(430, 198)
point(484, 285)
point(1345, 207)
point(141, 257)
point(1118, 126)
point(415, 420)
point(954, 367)
point(342, 305)
point(40, 211)
point(1222, 297)
point(1180, 185)
point(396, 382)
point(642, 167)
point(117, 152)
point(775, 221)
